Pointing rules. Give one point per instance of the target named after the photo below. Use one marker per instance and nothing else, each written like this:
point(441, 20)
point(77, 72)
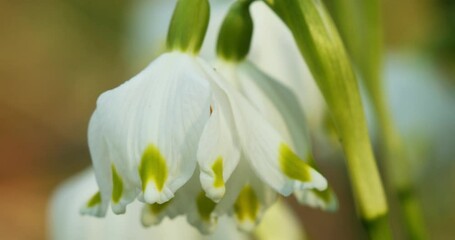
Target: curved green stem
point(323, 50)
point(188, 26)
point(360, 23)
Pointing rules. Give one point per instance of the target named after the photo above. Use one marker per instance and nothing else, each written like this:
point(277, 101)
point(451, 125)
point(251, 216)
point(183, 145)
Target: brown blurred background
point(57, 56)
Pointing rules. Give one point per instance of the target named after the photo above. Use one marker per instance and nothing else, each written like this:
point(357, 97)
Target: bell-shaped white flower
point(143, 134)
point(276, 102)
point(280, 107)
point(181, 139)
point(147, 136)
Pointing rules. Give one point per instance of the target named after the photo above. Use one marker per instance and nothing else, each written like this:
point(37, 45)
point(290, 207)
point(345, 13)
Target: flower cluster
point(186, 137)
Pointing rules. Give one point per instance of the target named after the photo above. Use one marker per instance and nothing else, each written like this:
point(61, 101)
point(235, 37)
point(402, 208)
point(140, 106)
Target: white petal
point(279, 106)
point(246, 198)
point(325, 200)
point(177, 114)
point(153, 123)
point(275, 51)
point(154, 214)
point(254, 199)
point(101, 162)
point(268, 153)
point(234, 186)
point(197, 206)
point(271, 157)
point(111, 108)
point(276, 102)
point(218, 153)
point(279, 102)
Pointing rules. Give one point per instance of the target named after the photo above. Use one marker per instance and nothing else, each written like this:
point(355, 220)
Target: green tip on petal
point(153, 168)
point(205, 206)
point(324, 195)
point(157, 208)
point(247, 205)
point(217, 168)
point(153, 214)
point(292, 166)
point(118, 185)
point(325, 200)
point(94, 200)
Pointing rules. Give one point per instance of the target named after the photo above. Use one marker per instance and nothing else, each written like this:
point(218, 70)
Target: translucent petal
point(151, 125)
point(276, 102)
point(101, 162)
point(218, 153)
point(325, 200)
point(268, 153)
point(279, 106)
point(279, 58)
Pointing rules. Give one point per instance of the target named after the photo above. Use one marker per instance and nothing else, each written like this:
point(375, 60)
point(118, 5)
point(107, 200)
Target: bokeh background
point(57, 56)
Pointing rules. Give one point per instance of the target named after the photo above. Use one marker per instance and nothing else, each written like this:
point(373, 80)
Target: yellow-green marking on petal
point(325, 195)
point(117, 185)
point(292, 166)
point(205, 206)
point(157, 208)
point(153, 168)
point(217, 168)
point(246, 206)
point(94, 200)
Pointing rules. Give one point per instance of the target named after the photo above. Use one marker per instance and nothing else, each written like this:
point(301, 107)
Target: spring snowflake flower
point(147, 136)
point(181, 139)
point(279, 106)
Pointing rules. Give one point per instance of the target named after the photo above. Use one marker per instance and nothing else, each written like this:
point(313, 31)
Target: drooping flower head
point(273, 99)
point(181, 139)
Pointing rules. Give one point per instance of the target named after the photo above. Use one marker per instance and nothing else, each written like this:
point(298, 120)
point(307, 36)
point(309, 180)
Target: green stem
point(322, 48)
point(234, 39)
point(378, 229)
point(398, 172)
point(188, 26)
point(360, 23)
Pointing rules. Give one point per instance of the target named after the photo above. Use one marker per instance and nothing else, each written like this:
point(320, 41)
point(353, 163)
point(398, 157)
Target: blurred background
point(57, 56)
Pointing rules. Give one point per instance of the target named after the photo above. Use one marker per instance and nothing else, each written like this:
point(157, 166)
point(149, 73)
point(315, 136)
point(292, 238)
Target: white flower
point(279, 106)
point(147, 136)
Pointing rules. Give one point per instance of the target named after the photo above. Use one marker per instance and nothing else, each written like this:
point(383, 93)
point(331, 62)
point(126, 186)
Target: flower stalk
point(234, 39)
point(234, 42)
point(323, 50)
point(188, 26)
point(360, 24)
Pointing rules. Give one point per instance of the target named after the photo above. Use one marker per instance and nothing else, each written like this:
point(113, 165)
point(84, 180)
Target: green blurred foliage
point(443, 41)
